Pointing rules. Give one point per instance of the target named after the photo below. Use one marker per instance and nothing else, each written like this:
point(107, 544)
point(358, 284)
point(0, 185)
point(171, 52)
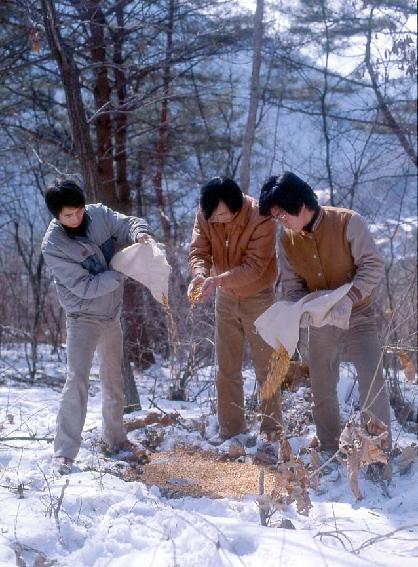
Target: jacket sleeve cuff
point(355, 295)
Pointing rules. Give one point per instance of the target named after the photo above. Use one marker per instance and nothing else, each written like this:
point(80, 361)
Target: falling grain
point(279, 365)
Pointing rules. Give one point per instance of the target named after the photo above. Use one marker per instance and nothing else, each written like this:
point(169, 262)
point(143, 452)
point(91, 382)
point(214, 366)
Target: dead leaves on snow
point(408, 367)
point(363, 442)
point(406, 459)
point(291, 483)
point(153, 418)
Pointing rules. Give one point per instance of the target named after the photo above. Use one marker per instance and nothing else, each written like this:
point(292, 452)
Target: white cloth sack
point(279, 325)
point(147, 264)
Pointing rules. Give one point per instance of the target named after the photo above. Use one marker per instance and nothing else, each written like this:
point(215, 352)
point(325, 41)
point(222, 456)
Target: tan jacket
point(339, 249)
point(242, 252)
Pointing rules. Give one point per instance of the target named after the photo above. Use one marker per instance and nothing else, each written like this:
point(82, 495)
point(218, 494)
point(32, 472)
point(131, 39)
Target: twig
point(178, 418)
point(57, 508)
point(378, 538)
point(30, 438)
point(263, 515)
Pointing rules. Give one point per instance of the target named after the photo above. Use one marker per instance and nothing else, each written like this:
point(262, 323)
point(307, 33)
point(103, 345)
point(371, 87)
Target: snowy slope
point(104, 521)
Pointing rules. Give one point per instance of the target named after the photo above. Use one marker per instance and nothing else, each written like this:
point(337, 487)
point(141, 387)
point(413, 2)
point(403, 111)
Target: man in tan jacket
point(323, 248)
point(233, 251)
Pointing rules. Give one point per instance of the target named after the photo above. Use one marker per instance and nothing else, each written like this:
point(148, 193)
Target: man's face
point(71, 216)
point(222, 214)
point(293, 222)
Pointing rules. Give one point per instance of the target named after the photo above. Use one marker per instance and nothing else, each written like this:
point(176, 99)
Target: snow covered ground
point(104, 521)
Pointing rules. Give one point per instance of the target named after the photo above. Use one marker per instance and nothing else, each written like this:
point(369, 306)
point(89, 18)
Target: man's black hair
point(288, 192)
point(64, 193)
point(220, 189)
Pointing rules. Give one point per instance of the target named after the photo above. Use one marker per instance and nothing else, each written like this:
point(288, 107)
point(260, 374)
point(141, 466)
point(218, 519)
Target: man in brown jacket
point(324, 248)
point(233, 251)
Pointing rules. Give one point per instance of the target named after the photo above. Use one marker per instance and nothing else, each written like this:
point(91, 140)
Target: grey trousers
point(234, 322)
point(83, 337)
point(359, 345)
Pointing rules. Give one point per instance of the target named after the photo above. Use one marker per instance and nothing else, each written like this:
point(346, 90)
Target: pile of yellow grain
point(191, 472)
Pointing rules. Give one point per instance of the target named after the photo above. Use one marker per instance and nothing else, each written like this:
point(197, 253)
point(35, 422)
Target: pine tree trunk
point(71, 82)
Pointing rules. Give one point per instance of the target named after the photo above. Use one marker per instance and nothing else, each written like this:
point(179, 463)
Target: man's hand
point(144, 239)
point(209, 287)
point(196, 281)
point(339, 315)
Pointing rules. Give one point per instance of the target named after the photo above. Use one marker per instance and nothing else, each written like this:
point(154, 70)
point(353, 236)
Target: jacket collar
point(313, 226)
point(244, 214)
point(318, 219)
point(73, 233)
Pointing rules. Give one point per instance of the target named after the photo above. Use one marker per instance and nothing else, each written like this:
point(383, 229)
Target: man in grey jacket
point(78, 246)
point(323, 248)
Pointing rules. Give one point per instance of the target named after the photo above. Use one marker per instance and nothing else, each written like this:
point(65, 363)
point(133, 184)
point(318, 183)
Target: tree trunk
point(91, 11)
point(324, 110)
point(72, 88)
point(161, 148)
point(121, 120)
point(254, 96)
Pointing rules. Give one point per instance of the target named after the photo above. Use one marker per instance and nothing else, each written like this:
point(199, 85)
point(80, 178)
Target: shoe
point(239, 439)
point(125, 446)
point(267, 450)
point(64, 465)
point(216, 440)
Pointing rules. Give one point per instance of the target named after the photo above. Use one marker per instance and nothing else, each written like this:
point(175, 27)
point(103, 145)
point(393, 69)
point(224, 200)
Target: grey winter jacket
point(80, 264)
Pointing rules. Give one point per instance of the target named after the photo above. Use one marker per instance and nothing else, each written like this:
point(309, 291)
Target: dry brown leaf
point(200, 425)
point(139, 456)
point(363, 443)
point(374, 425)
point(264, 502)
point(285, 448)
point(279, 364)
point(369, 451)
point(406, 458)
point(315, 465)
point(236, 450)
point(353, 467)
point(407, 366)
point(314, 443)
point(291, 483)
point(34, 37)
point(152, 418)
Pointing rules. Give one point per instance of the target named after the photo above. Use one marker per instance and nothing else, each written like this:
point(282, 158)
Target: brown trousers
point(234, 322)
point(359, 345)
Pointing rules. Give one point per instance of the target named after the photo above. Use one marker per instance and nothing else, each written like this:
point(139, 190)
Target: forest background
point(144, 101)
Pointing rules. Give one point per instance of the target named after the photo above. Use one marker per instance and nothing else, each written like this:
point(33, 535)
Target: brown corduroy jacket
point(339, 249)
point(242, 252)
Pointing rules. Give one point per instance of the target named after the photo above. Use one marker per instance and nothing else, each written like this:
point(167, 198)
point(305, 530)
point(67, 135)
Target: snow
point(105, 521)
